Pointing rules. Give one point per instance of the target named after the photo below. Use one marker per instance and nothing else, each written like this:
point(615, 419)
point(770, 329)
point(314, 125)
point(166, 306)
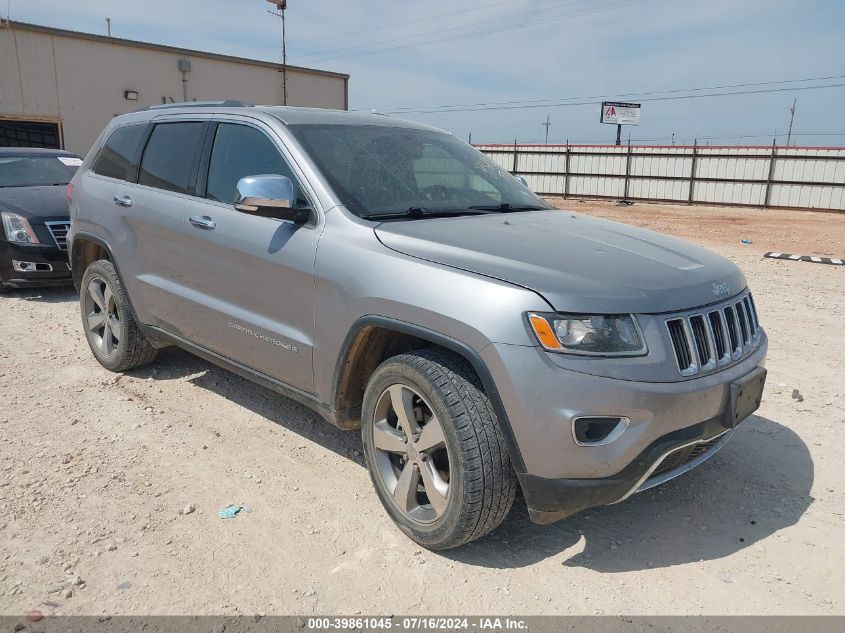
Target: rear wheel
point(434, 450)
point(110, 328)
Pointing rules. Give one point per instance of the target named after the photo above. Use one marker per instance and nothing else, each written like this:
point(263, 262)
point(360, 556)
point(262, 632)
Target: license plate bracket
point(746, 394)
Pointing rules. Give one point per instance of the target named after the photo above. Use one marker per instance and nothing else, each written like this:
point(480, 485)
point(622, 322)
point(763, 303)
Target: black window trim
point(205, 161)
point(195, 160)
point(136, 159)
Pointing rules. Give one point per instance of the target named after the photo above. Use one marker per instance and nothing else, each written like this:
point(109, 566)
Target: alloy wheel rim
point(102, 319)
point(412, 458)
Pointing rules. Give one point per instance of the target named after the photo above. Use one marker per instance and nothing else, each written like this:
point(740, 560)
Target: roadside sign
point(620, 113)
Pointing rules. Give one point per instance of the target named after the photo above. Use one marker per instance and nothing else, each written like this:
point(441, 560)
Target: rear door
point(153, 208)
point(250, 280)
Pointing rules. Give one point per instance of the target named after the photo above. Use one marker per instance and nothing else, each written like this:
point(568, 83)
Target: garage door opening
point(30, 134)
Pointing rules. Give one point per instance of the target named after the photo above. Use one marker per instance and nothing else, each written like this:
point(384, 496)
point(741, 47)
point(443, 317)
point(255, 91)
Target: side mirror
point(523, 181)
point(269, 196)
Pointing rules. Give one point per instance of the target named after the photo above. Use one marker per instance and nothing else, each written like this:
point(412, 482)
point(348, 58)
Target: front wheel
point(110, 329)
point(434, 450)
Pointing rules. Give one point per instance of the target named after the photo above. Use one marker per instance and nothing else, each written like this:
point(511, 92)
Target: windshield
point(32, 171)
point(378, 170)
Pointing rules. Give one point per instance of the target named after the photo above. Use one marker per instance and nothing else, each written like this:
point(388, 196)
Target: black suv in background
point(35, 222)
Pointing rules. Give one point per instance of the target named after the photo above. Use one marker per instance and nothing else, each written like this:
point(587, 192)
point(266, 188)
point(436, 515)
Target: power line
point(318, 57)
point(689, 138)
point(468, 106)
point(415, 21)
point(308, 58)
point(592, 102)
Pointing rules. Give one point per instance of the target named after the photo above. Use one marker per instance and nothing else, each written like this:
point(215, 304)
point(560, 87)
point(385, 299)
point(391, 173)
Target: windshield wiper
point(415, 213)
point(506, 207)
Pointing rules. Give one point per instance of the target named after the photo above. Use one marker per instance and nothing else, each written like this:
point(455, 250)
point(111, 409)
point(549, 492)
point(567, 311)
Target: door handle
point(123, 201)
point(202, 222)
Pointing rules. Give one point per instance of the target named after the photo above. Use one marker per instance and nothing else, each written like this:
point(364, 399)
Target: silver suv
point(393, 279)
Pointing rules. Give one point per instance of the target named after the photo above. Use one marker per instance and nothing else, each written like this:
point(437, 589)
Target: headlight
point(589, 335)
point(18, 229)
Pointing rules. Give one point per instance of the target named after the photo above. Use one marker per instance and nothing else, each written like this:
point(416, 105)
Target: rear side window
point(169, 156)
point(239, 151)
point(117, 156)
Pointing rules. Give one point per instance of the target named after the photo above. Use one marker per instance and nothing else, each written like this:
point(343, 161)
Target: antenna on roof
point(281, 5)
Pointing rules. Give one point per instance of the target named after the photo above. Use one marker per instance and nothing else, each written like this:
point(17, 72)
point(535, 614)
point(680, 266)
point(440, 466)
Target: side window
point(116, 158)
point(239, 151)
point(169, 155)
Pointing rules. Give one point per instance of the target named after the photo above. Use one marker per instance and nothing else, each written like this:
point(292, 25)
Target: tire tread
point(490, 482)
point(139, 351)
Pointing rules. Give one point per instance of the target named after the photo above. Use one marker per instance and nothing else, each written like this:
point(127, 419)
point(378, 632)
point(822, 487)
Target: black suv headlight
point(589, 334)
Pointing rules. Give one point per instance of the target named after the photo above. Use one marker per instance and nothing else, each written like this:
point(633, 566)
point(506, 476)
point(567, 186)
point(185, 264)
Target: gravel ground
point(110, 485)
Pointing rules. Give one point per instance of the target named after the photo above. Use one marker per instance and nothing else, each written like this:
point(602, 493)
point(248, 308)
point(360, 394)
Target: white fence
point(790, 177)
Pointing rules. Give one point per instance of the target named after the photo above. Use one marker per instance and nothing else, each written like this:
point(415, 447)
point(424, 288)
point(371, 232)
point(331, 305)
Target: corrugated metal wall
point(800, 177)
point(80, 82)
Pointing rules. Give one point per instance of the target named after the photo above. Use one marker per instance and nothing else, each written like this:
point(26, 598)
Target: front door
point(250, 280)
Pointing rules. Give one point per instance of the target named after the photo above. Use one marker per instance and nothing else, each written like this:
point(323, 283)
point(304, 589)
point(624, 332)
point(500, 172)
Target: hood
point(577, 263)
point(35, 203)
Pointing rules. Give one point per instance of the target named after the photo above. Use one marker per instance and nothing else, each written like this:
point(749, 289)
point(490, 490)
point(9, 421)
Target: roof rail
point(228, 103)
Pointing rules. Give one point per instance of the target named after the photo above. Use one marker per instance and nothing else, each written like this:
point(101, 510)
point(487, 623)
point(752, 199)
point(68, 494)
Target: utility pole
point(791, 119)
point(108, 26)
point(548, 124)
point(281, 5)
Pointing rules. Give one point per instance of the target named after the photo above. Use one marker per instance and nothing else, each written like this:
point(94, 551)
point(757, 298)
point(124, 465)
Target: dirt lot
point(97, 469)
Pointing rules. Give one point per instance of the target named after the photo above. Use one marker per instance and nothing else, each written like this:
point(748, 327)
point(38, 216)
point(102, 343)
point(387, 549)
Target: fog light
point(598, 430)
point(29, 267)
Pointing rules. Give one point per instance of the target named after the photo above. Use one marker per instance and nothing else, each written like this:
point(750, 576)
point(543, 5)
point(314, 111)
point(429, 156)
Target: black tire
point(129, 347)
point(481, 481)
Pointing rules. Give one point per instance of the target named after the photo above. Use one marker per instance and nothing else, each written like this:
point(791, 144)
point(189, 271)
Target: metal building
point(59, 88)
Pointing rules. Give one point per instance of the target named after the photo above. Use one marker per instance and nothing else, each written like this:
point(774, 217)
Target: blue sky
point(522, 50)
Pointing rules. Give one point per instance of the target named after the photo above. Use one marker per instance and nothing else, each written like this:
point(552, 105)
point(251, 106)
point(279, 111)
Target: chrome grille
point(716, 337)
point(743, 323)
point(59, 232)
point(717, 326)
point(680, 343)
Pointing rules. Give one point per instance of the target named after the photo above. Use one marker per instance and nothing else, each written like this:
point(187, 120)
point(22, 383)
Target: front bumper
point(550, 500)
point(44, 256)
point(561, 477)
